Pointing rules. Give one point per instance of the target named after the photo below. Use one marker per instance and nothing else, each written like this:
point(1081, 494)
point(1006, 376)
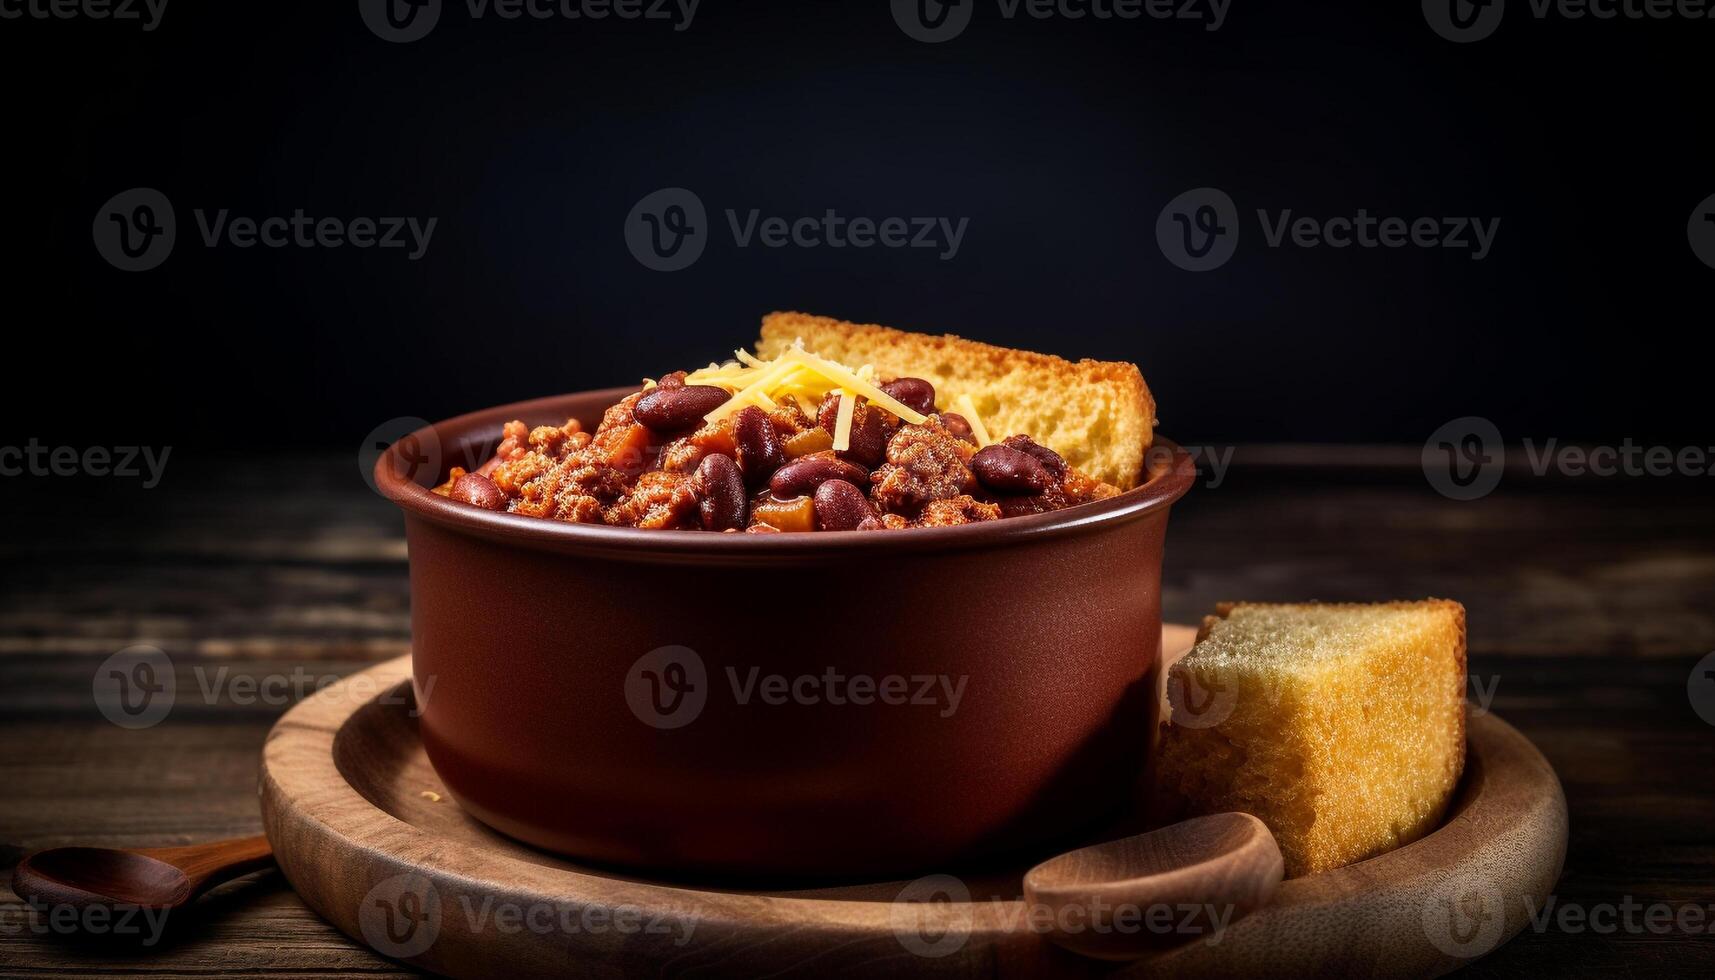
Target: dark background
point(1591, 602)
point(1060, 140)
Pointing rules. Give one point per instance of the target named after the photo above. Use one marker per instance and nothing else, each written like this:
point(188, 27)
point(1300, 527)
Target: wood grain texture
point(148, 877)
point(1224, 866)
point(341, 772)
point(1590, 601)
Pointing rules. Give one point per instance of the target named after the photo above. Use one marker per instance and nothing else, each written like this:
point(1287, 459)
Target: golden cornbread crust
point(1224, 610)
point(1340, 725)
point(1099, 415)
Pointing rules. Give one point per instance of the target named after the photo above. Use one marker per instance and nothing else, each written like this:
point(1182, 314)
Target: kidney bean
point(914, 392)
point(868, 446)
point(958, 427)
point(478, 491)
point(720, 493)
point(759, 451)
point(676, 409)
point(1047, 457)
point(803, 476)
point(840, 506)
point(1006, 470)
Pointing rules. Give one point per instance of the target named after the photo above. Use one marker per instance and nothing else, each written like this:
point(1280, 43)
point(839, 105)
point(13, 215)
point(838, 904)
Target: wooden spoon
point(150, 878)
point(1145, 894)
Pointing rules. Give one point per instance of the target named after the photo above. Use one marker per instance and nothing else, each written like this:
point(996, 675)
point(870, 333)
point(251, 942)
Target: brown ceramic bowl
point(607, 693)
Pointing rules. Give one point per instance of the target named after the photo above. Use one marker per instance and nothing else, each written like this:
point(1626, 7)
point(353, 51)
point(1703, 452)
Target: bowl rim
point(1170, 478)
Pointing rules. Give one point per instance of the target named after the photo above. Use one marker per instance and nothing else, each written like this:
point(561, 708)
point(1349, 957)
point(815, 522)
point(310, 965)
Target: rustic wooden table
point(1590, 601)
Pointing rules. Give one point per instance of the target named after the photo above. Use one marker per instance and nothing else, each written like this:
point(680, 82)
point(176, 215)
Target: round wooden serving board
point(373, 842)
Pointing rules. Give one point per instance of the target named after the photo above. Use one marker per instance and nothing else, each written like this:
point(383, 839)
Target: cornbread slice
point(1340, 726)
point(1097, 414)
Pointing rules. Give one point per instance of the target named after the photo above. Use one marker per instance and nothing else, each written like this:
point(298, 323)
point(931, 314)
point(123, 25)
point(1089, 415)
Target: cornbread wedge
point(1340, 726)
point(1097, 414)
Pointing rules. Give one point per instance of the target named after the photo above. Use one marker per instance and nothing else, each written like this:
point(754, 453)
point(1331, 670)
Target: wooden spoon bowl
point(149, 878)
point(1144, 894)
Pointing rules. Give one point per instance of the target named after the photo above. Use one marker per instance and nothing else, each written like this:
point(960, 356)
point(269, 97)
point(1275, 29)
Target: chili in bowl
point(591, 688)
point(797, 444)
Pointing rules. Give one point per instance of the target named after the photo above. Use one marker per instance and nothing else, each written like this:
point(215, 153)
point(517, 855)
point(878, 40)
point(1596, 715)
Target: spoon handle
point(216, 861)
point(1145, 894)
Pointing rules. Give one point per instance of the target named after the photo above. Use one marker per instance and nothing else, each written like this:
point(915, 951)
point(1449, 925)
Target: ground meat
point(1081, 489)
point(558, 440)
point(576, 488)
point(684, 453)
point(514, 441)
point(962, 509)
point(513, 475)
point(620, 413)
point(659, 500)
point(681, 456)
point(575, 508)
point(924, 463)
point(789, 419)
point(1074, 488)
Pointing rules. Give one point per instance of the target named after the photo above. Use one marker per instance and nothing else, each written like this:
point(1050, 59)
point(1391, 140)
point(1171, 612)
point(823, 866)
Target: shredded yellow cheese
point(764, 379)
point(969, 410)
point(843, 420)
point(800, 376)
